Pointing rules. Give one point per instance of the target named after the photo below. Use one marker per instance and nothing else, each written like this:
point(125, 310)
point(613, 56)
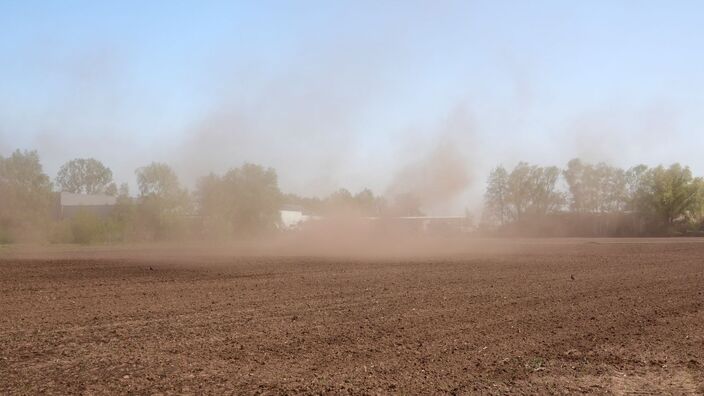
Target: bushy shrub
point(5, 236)
point(60, 232)
point(86, 228)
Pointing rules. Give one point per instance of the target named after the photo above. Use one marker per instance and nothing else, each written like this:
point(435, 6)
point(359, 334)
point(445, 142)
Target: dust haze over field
point(309, 123)
point(362, 197)
point(362, 106)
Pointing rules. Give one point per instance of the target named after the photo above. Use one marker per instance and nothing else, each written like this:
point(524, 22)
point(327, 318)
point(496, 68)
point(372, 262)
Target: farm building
point(70, 204)
point(292, 216)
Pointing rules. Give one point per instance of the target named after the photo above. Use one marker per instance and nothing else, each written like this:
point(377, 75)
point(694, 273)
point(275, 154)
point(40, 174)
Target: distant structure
point(70, 204)
point(437, 224)
point(432, 225)
point(292, 217)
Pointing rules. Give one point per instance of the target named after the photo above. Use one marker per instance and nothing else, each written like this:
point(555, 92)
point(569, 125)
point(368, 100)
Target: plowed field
point(527, 317)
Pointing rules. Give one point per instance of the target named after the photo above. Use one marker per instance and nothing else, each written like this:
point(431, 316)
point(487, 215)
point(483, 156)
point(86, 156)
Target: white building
point(292, 217)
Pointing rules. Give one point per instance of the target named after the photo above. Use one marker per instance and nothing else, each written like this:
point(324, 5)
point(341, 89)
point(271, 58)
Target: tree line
point(242, 202)
point(599, 198)
point(581, 199)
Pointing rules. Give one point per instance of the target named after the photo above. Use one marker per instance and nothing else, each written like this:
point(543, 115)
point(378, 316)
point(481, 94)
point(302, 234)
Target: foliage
point(85, 176)
point(597, 199)
point(596, 188)
point(123, 221)
point(496, 197)
point(157, 179)
point(668, 196)
point(25, 196)
point(5, 235)
point(528, 190)
point(343, 203)
point(655, 200)
point(364, 203)
point(406, 204)
point(244, 200)
point(86, 227)
point(162, 205)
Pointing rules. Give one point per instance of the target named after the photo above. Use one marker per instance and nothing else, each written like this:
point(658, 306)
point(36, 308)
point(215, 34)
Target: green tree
point(25, 196)
point(596, 189)
point(544, 196)
point(86, 176)
point(86, 228)
point(364, 203)
point(576, 176)
point(405, 204)
point(611, 188)
point(368, 204)
point(496, 197)
point(123, 221)
point(670, 195)
point(123, 190)
point(243, 201)
point(532, 190)
point(635, 179)
point(520, 189)
point(158, 180)
point(528, 190)
point(162, 203)
point(340, 201)
point(313, 205)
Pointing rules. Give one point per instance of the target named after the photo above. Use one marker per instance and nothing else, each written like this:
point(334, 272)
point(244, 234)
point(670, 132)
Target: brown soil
point(510, 319)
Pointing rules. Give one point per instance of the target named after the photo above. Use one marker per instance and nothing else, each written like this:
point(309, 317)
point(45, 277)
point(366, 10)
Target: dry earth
point(507, 319)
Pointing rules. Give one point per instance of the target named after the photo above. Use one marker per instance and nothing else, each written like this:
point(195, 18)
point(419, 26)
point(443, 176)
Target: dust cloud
point(435, 179)
point(623, 135)
point(400, 100)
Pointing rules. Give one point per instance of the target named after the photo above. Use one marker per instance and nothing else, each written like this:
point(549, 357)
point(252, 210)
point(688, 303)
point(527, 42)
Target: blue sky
point(352, 94)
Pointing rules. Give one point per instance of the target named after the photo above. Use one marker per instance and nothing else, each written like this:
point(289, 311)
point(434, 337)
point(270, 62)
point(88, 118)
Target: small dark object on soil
point(572, 277)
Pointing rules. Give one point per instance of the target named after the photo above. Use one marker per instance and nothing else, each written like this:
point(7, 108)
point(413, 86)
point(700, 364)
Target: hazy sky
point(353, 94)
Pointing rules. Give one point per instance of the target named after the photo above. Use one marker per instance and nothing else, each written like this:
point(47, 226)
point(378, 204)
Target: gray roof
point(71, 199)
